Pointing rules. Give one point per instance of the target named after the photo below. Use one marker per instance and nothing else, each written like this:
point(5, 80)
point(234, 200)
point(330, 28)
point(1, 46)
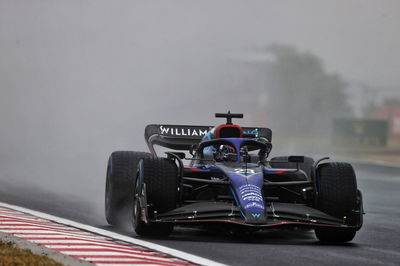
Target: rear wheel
point(337, 196)
point(121, 174)
point(157, 187)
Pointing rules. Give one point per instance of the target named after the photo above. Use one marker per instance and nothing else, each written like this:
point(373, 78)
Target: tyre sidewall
point(167, 195)
point(121, 175)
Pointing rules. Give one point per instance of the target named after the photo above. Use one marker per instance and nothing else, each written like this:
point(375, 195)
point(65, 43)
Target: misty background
point(80, 79)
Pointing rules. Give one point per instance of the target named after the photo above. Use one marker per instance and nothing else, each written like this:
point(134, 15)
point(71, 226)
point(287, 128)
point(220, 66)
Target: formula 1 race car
point(229, 181)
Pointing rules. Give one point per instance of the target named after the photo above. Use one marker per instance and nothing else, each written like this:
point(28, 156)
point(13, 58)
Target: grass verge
point(12, 256)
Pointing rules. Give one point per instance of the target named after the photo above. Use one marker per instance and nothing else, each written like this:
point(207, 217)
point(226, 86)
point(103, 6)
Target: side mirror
point(296, 159)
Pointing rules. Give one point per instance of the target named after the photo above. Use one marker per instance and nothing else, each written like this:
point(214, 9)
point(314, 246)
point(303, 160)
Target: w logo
point(255, 215)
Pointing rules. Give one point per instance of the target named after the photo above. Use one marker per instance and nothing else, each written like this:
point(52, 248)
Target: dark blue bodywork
point(229, 180)
point(246, 181)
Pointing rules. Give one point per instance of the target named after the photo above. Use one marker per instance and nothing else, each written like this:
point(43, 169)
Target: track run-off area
point(86, 243)
point(377, 243)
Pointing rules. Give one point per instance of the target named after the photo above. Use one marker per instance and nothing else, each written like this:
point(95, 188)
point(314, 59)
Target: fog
point(80, 79)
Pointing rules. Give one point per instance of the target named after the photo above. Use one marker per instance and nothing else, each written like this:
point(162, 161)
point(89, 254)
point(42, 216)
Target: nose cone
point(247, 189)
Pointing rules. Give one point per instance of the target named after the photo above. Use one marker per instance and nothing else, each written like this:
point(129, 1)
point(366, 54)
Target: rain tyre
point(120, 180)
point(158, 179)
point(337, 196)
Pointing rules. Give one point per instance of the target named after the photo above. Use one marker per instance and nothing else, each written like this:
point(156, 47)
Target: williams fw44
point(221, 176)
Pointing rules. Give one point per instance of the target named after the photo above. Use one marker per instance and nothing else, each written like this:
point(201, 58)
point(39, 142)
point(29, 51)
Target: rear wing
point(181, 137)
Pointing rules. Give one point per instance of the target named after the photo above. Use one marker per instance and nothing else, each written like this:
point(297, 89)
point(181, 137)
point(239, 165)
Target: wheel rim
point(136, 205)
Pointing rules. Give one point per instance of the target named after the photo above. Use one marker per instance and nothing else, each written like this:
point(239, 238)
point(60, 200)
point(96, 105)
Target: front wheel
point(156, 192)
point(335, 235)
point(121, 170)
point(337, 196)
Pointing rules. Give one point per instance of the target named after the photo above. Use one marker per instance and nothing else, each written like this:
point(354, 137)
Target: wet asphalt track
point(378, 242)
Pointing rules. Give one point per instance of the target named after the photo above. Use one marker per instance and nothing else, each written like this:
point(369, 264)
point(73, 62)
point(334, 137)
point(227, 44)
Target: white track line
point(97, 248)
point(163, 249)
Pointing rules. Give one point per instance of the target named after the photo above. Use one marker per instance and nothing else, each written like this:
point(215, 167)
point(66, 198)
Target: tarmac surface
point(377, 243)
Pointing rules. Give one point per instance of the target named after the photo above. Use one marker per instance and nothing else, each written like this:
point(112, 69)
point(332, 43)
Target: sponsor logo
point(251, 198)
point(181, 131)
point(252, 194)
point(244, 171)
point(254, 205)
point(252, 131)
point(255, 215)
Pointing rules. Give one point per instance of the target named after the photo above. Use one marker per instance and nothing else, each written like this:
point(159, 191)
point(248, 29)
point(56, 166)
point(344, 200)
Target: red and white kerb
point(80, 244)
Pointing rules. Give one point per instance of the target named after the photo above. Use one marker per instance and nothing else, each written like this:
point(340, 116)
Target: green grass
point(12, 256)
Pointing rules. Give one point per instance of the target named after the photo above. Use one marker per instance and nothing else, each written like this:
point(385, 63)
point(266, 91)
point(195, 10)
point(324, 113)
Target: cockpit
point(238, 150)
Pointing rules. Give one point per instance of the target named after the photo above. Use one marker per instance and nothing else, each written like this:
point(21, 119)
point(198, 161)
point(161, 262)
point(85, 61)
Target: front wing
point(278, 214)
